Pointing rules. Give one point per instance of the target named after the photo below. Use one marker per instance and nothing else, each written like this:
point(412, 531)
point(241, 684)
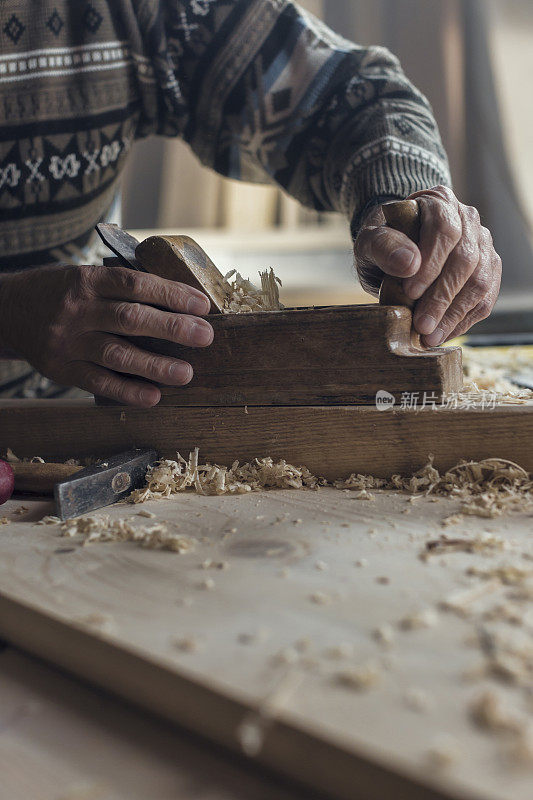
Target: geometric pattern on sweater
point(260, 89)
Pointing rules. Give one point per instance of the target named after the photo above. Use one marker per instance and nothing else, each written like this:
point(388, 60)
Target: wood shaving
point(103, 529)
point(417, 700)
point(187, 644)
point(242, 297)
point(361, 678)
point(425, 618)
point(461, 602)
point(443, 753)
point(384, 635)
point(489, 712)
point(4, 521)
point(487, 488)
point(485, 370)
point(321, 598)
point(103, 622)
point(167, 478)
point(477, 544)
point(49, 520)
point(508, 575)
point(208, 584)
point(340, 651)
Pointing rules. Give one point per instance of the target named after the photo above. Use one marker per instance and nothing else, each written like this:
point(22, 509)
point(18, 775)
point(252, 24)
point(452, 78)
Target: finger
point(105, 383)
point(135, 319)
point(121, 356)
point(476, 300)
point(483, 308)
point(120, 283)
point(440, 231)
point(436, 309)
point(391, 251)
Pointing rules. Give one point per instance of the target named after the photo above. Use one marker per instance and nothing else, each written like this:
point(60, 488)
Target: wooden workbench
point(260, 655)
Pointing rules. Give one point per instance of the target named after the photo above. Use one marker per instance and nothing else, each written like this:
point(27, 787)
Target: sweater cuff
point(374, 177)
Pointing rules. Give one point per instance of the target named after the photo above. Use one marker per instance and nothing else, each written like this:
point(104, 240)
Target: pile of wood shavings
point(243, 297)
point(485, 371)
point(103, 529)
point(167, 478)
point(486, 488)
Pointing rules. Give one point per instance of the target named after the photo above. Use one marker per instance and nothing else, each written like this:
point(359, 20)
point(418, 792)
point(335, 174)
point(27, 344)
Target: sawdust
point(245, 298)
point(103, 529)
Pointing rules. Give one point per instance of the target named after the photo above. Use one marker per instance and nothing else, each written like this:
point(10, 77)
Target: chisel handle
point(39, 478)
point(403, 216)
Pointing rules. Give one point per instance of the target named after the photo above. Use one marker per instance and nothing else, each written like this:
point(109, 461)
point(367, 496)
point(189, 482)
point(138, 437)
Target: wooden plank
point(64, 739)
point(330, 441)
point(112, 613)
point(310, 357)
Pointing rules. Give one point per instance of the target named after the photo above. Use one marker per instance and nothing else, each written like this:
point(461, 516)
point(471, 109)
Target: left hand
point(454, 273)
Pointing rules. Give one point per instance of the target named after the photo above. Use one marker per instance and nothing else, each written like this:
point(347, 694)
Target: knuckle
point(483, 308)
point(474, 215)
point(84, 280)
point(126, 281)
point(479, 284)
point(99, 383)
point(114, 355)
point(466, 255)
point(128, 316)
point(177, 328)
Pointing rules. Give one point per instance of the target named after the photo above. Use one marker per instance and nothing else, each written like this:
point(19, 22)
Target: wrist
point(8, 347)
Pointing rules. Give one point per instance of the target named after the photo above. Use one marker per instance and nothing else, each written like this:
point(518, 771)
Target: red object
point(7, 481)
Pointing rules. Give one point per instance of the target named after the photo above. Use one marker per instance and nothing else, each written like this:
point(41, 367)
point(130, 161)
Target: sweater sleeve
point(264, 92)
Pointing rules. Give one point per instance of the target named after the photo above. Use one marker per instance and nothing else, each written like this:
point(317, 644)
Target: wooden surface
point(61, 739)
point(332, 442)
point(310, 357)
point(268, 658)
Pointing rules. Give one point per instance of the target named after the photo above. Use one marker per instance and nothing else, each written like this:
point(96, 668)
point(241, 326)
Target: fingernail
point(415, 290)
point(435, 338)
point(180, 373)
point(201, 333)
point(150, 396)
point(403, 258)
point(426, 324)
point(198, 305)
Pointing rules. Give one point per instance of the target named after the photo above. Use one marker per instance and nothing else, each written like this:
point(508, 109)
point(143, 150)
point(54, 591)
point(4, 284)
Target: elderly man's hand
point(71, 324)
point(454, 273)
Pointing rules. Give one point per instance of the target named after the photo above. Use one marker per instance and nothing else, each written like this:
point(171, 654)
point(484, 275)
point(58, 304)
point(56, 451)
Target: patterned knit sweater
point(259, 89)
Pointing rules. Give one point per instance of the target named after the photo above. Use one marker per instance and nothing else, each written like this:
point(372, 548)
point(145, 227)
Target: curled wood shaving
point(102, 529)
point(244, 298)
point(167, 478)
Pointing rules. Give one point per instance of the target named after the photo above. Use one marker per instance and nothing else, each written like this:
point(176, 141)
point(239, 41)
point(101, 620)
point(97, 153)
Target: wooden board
point(310, 357)
point(63, 739)
point(267, 660)
point(330, 441)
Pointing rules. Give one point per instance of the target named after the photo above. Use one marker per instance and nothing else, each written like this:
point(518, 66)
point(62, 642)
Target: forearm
point(336, 125)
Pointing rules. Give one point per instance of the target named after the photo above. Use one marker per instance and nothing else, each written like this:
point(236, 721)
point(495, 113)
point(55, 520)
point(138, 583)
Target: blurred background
point(473, 59)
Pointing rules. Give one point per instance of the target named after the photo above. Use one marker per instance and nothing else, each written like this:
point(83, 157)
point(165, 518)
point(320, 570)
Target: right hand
point(70, 323)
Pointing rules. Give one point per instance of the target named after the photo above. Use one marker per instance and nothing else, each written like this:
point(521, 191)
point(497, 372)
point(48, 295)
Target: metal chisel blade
point(120, 243)
point(103, 484)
